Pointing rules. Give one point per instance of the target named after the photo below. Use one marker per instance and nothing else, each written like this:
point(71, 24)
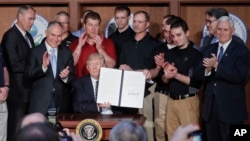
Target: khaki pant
point(160, 102)
point(147, 111)
point(3, 121)
point(181, 112)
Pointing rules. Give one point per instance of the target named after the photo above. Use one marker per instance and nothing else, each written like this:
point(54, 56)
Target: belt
point(179, 97)
point(166, 92)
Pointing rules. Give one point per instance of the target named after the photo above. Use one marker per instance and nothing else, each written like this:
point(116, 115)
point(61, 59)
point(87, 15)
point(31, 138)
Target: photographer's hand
point(75, 137)
point(181, 134)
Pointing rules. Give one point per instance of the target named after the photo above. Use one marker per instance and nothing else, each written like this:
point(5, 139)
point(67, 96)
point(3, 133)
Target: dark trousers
point(216, 129)
point(16, 111)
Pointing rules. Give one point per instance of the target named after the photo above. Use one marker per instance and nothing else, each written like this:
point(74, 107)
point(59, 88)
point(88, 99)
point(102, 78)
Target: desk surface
point(106, 121)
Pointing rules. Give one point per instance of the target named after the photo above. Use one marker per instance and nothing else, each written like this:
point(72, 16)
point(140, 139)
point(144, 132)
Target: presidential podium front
point(107, 122)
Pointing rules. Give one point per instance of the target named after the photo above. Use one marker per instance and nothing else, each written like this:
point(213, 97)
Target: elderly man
point(226, 65)
point(85, 88)
point(51, 70)
point(16, 43)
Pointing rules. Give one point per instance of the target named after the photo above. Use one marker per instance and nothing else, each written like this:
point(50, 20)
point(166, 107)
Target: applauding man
point(50, 68)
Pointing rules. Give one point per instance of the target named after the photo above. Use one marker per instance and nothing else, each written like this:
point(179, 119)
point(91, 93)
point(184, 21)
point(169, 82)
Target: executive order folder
point(121, 88)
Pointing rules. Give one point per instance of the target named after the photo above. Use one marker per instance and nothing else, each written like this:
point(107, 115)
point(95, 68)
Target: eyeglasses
point(209, 21)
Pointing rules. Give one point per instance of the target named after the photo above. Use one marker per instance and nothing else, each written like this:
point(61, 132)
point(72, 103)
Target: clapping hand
point(169, 70)
point(64, 73)
point(46, 59)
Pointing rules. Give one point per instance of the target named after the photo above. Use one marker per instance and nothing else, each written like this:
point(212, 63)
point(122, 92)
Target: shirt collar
point(23, 32)
point(93, 80)
point(48, 47)
point(225, 45)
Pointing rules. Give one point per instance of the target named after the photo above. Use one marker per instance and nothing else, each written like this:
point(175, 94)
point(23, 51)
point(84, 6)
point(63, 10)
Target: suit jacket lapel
point(21, 36)
point(229, 49)
point(23, 48)
point(59, 62)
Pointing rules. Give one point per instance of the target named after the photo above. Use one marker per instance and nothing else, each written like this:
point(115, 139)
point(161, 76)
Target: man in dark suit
point(16, 45)
point(51, 73)
point(226, 65)
point(211, 19)
point(85, 89)
point(4, 89)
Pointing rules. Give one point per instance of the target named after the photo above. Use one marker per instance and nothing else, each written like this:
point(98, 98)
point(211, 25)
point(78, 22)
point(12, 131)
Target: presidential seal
point(240, 28)
point(38, 29)
point(89, 130)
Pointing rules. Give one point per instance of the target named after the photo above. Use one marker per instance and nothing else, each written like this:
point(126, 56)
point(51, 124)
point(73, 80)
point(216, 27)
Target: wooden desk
point(106, 121)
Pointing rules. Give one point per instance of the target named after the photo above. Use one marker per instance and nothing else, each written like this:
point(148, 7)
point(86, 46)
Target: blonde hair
point(93, 56)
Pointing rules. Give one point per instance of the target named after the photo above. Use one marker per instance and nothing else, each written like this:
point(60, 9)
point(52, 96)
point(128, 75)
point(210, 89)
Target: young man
point(123, 32)
point(161, 89)
point(92, 41)
point(184, 79)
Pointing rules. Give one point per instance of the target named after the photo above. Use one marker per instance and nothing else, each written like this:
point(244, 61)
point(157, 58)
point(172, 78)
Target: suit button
point(214, 84)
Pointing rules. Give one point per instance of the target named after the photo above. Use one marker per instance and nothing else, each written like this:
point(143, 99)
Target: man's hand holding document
point(121, 88)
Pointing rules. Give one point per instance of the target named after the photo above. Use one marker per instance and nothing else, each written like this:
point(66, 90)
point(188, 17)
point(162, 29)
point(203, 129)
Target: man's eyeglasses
point(209, 21)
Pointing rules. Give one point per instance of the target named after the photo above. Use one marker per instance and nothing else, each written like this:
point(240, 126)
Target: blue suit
point(83, 96)
point(224, 93)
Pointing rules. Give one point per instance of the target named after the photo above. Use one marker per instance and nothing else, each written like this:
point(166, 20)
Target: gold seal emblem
point(89, 130)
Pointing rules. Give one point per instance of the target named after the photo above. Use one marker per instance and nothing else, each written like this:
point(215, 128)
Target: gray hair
point(24, 8)
point(127, 131)
point(227, 19)
point(53, 23)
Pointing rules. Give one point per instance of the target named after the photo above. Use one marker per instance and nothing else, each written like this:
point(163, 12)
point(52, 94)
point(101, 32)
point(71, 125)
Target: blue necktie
point(53, 61)
point(220, 53)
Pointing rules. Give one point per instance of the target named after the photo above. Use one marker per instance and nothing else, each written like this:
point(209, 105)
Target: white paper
point(132, 88)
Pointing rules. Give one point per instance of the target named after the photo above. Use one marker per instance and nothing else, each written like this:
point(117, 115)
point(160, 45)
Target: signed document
point(121, 88)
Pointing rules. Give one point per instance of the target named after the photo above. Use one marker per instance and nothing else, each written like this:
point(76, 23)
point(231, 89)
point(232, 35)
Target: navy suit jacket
point(43, 83)
point(226, 85)
point(15, 51)
point(83, 96)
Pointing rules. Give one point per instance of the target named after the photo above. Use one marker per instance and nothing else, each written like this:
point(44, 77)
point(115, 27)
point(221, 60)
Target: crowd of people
point(62, 74)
